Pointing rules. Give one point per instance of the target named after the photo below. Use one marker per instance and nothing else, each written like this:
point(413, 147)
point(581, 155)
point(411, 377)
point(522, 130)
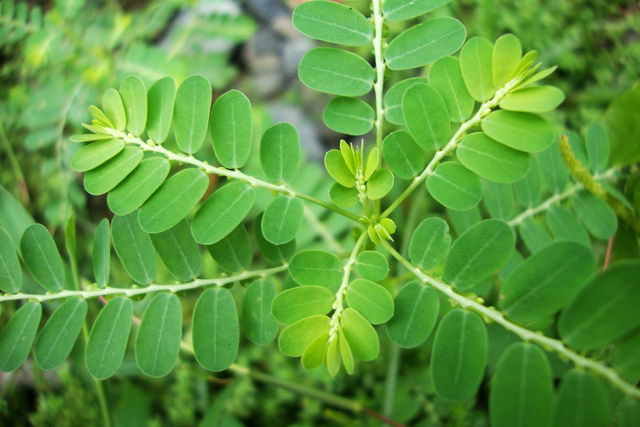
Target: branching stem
point(233, 174)
point(490, 314)
point(129, 292)
point(450, 147)
point(378, 87)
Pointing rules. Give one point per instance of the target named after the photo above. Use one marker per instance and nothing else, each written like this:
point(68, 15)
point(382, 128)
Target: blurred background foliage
point(56, 58)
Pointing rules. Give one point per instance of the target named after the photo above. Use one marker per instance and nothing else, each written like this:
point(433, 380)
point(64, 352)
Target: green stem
point(556, 198)
point(450, 147)
point(233, 174)
point(129, 292)
point(15, 165)
point(378, 87)
point(392, 379)
point(491, 314)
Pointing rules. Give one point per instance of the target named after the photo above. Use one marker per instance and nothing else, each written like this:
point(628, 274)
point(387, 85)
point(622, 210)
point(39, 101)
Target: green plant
point(472, 130)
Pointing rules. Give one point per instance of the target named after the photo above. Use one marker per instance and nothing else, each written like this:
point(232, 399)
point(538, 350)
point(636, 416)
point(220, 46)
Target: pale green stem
point(344, 285)
point(450, 147)
point(556, 198)
point(233, 174)
point(490, 314)
point(378, 87)
point(129, 292)
point(322, 231)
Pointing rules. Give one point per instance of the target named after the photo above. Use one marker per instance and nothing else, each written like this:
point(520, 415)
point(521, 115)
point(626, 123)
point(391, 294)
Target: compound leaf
point(174, 200)
point(216, 331)
point(108, 338)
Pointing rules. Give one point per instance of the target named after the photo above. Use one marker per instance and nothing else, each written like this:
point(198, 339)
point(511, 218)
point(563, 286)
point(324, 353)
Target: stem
point(491, 314)
point(129, 292)
point(15, 165)
point(378, 87)
point(484, 109)
point(322, 231)
point(558, 197)
point(344, 285)
point(233, 174)
point(392, 379)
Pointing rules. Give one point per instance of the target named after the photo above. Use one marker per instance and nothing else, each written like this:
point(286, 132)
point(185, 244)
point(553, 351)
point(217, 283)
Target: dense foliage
point(465, 259)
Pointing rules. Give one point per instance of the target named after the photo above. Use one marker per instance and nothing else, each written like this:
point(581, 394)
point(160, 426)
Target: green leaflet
point(42, 259)
point(321, 350)
point(402, 155)
point(301, 302)
point(534, 235)
point(535, 99)
point(107, 176)
point(216, 332)
point(94, 154)
point(581, 401)
point(179, 251)
point(222, 212)
point(429, 243)
point(371, 300)
point(416, 312)
point(596, 215)
point(89, 137)
point(522, 131)
point(425, 115)
point(108, 338)
point(397, 10)
point(336, 72)
point(332, 22)
point(498, 199)
point(605, 309)
point(521, 388)
point(529, 189)
point(360, 335)
point(492, 160)
point(348, 115)
point(476, 64)
point(380, 184)
point(295, 338)
point(191, 113)
point(282, 219)
point(173, 200)
point(113, 109)
point(233, 252)
point(459, 355)
point(565, 226)
point(158, 341)
point(393, 99)
point(507, 52)
point(425, 43)
point(462, 220)
point(99, 116)
point(546, 281)
point(10, 270)
point(445, 75)
point(478, 253)
point(134, 98)
point(345, 352)
point(343, 196)
point(455, 186)
point(280, 152)
point(138, 186)
point(338, 169)
point(161, 100)
point(259, 325)
point(372, 265)
point(273, 253)
point(628, 413)
point(232, 129)
point(134, 248)
point(59, 334)
point(314, 267)
point(554, 172)
point(597, 144)
point(625, 357)
point(101, 253)
point(17, 336)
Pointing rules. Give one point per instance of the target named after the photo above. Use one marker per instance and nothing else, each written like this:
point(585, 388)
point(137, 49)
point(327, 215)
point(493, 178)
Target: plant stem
point(129, 292)
point(344, 285)
point(15, 165)
point(450, 147)
point(392, 379)
point(322, 231)
point(233, 174)
point(491, 314)
point(378, 87)
point(547, 204)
